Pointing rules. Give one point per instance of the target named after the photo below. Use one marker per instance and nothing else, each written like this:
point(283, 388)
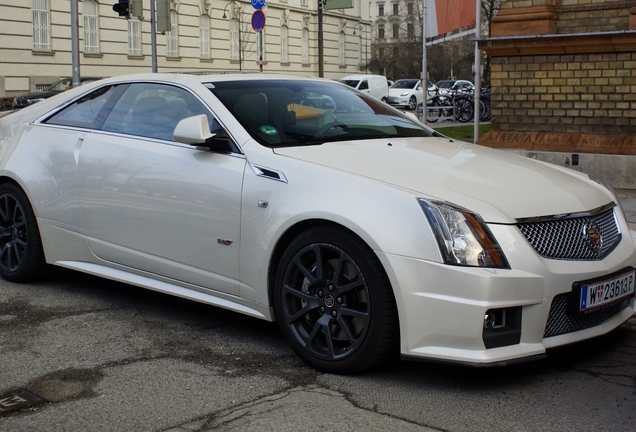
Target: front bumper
point(442, 307)
point(398, 101)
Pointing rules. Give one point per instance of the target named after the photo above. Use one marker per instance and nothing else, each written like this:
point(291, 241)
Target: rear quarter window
point(89, 111)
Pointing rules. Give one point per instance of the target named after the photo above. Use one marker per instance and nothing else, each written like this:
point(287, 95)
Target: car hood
point(499, 186)
point(37, 95)
point(41, 94)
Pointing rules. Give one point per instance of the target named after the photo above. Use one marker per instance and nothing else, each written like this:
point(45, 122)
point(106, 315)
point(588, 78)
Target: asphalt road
point(112, 357)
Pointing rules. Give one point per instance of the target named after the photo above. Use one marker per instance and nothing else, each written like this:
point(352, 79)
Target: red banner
point(444, 16)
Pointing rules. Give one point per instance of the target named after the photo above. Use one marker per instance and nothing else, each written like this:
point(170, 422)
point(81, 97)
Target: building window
point(134, 37)
point(204, 36)
point(173, 35)
point(395, 8)
point(396, 31)
point(341, 49)
point(234, 39)
point(305, 44)
point(91, 26)
point(381, 31)
point(409, 9)
point(381, 10)
point(284, 45)
point(303, 2)
point(410, 31)
point(41, 25)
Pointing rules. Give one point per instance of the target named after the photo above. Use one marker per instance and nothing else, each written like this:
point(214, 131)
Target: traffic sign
point(258, 4)
point(258, 20)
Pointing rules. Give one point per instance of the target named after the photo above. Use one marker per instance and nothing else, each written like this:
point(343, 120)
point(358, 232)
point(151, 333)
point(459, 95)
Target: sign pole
point(477, 71)
point(153, 36)
point(75, 44)
point(260, 51)
point(424, 64)
point(321, 67)
point(258, 23)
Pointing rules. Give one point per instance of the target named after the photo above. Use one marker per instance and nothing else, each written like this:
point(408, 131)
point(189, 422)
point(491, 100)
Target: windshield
point(286, 113)
point(445, 84)
point(351, 83)
point(60, 85)
point(405, 84)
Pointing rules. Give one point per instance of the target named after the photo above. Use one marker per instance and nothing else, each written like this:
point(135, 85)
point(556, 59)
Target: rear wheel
point(21, 255)
point(334, 302)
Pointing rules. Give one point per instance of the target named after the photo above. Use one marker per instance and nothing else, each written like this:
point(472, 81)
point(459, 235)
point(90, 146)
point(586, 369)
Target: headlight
point(405, 94)
point(32, 101)
point(463, 237)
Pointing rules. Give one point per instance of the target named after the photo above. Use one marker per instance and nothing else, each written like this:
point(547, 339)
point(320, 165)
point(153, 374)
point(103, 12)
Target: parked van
point(375, 85)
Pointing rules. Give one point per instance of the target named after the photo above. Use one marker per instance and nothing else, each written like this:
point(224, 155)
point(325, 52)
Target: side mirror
point(193, 130)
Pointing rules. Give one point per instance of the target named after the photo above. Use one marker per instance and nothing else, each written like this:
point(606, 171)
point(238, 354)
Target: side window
point(153, 111)
point(364, 85)
point(88, 111)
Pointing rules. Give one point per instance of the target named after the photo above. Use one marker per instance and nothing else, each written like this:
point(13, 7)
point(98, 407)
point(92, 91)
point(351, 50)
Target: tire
point(334, 302)
point(433, 114)
point(412, 103)
point(21, 254)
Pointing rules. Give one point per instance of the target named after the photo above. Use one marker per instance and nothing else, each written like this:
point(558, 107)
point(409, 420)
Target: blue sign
point(258, 20)
point(258, 4)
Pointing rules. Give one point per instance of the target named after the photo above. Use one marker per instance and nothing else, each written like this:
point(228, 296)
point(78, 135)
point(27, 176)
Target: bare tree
point(400, 56)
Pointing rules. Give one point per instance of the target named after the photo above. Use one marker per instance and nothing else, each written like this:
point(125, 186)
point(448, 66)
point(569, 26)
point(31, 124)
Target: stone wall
point(564, 84)
point(588, 16)
point(593, 93)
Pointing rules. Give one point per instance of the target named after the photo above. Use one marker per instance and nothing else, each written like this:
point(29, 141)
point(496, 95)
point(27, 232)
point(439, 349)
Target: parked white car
point(455, 86)
point(406, 93)
point(361, 231)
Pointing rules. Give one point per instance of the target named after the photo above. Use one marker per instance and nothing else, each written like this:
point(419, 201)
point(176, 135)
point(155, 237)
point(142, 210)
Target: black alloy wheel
point(412, 103)
point(21, 255)
point(334, 302)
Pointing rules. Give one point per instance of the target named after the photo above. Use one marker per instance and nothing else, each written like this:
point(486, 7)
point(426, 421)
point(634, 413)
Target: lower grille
point(561, 321)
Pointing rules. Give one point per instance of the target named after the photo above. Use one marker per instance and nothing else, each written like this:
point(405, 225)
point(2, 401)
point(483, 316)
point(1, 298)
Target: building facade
point(204, 36)
point(564, 84)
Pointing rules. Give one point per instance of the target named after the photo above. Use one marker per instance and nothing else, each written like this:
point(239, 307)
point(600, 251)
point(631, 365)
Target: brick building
point(564, 84)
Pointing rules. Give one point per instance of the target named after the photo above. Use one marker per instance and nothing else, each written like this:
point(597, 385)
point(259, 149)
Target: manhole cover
point(18, 399)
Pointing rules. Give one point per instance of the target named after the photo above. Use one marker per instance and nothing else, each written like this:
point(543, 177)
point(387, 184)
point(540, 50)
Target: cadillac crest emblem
point(593, 236)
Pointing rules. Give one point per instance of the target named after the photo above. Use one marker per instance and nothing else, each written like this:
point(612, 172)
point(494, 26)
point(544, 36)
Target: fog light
point(502, 327)
point(489, 320)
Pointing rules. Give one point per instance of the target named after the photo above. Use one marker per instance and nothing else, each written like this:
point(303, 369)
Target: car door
point(364, 86)
point(157, 206)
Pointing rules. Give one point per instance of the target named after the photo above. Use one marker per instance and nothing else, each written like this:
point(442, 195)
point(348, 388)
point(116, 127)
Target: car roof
point(184, 78)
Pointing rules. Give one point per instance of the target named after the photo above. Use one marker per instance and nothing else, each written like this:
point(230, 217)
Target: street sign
point(258, 20)
point(338, 4)
point(258, 4)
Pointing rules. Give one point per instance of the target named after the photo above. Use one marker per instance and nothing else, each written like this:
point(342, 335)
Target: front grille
point(573, 238)
point(561, 321)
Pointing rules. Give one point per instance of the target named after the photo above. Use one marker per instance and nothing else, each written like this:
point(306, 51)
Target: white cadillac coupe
point(301, 200)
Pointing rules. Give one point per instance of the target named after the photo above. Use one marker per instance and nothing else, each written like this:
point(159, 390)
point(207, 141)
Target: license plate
point(600, 293)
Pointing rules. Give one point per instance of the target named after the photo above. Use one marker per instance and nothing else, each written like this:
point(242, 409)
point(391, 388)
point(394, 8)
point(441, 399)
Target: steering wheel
point(334, 124)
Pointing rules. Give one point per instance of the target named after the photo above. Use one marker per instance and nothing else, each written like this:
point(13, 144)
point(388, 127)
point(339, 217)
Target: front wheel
point(334, 302)
point(412, 103)
point(21, 255)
